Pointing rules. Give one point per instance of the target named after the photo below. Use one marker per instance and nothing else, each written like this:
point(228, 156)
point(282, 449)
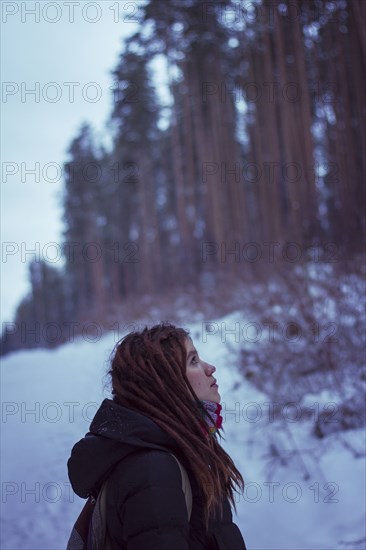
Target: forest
point(249, 168)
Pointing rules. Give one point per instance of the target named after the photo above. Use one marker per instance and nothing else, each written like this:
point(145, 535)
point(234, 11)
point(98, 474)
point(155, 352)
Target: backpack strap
point(98, 538)
point(79, 534)
point(186, 487)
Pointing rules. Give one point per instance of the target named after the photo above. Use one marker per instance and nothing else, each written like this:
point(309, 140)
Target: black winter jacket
point(146, 507)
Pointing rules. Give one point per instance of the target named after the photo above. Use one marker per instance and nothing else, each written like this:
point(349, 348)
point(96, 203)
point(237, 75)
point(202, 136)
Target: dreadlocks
point(148, 374)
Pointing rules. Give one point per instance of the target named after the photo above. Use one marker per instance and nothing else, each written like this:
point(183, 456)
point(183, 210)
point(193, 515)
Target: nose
point(210, 369)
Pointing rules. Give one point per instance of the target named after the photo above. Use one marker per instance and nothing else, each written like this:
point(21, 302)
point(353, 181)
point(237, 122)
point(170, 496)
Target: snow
point(314, 501)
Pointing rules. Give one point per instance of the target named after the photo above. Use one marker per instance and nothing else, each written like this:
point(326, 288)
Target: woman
point(165, 400)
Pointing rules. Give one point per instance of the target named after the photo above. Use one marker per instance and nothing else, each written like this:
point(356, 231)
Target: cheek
point(196, 380)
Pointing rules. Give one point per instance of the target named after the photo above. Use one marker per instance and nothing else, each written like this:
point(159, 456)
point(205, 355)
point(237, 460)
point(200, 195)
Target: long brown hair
point(148, 374)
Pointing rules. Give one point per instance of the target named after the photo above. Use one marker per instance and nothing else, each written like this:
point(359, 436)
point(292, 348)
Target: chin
point(216, 398)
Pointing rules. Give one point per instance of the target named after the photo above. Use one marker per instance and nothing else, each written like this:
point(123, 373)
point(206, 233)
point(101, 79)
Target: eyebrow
point(192, 352)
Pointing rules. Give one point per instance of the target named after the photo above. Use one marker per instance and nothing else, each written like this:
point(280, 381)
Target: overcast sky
point(38, 129)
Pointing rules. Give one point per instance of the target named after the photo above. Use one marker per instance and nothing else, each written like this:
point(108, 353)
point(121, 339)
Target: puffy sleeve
point(151, 506)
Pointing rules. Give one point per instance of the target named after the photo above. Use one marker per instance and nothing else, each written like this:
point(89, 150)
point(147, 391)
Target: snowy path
point(64, 387)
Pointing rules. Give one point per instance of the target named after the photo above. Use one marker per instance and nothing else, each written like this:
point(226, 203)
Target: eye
point(194, 359)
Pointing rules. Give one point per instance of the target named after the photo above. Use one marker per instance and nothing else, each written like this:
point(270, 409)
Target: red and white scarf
point(214, 410)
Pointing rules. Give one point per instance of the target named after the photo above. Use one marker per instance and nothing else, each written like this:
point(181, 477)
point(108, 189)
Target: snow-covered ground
point(315, 501)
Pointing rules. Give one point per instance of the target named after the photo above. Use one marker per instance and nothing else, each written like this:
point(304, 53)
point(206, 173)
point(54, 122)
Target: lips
point(213, 383)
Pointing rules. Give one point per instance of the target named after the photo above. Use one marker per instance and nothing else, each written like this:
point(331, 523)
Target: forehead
point(189, 345)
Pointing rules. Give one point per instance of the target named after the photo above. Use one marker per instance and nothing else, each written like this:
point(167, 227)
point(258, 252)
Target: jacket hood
point(114, 433)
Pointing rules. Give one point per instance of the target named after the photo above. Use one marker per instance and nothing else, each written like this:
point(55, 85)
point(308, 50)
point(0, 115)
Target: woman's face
point(200, 375)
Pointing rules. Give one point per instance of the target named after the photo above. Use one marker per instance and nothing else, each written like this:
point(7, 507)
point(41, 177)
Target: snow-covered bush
point(314, 341)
